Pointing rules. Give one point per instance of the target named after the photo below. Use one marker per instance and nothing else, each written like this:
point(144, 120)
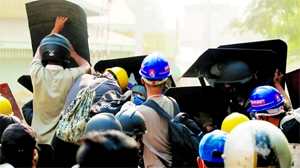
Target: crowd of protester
point(260, 135)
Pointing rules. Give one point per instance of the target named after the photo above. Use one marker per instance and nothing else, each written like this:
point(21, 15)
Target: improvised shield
point(6, 92)
point(41, 19)
point(194, 99)
point(130, 64)
point(25, 81)
point(262, 63)
point(276, 45)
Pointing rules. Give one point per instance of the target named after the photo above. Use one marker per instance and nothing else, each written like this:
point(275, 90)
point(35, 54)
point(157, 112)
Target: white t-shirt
point(51, 85)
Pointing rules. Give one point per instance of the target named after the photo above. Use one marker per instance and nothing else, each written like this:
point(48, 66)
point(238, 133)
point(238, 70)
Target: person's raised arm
point(277, 83)
point(80, 61)
point(59, 24)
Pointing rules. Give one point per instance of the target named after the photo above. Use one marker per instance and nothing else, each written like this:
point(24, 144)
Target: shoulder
point(143, 108)
point(35, 65)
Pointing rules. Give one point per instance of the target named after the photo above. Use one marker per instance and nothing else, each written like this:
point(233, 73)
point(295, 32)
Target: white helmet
point(257, 143)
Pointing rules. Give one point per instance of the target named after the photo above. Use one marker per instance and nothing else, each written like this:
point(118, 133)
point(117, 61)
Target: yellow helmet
point(5, 106)
point(257, 143)
point(120, 75)
point(232, 120)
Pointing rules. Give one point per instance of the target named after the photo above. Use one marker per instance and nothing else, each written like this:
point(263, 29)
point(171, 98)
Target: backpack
point(184, 142)
point(72, 124)
point(110, 102)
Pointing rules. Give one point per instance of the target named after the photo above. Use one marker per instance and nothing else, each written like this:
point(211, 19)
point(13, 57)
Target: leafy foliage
point(273, 19)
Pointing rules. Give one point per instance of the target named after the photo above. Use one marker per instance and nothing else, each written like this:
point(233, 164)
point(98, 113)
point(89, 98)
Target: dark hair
point(18, 144)
point(111, 148)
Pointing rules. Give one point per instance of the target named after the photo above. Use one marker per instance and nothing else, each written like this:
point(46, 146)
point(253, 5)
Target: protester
point(268, 104)
point(132, 122)
point(154, 72)
point(119, 75)
point(111, 148)
point(52, 83)
point(256, 144)
point(237, 80)
point(6, 120)
point(19, 146)
point(139, 94)
point(211, 148)
point(133, 125)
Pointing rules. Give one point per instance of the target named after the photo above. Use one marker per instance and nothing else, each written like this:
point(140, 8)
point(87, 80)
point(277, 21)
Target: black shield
point(25, 80)
point(195, 99)
point(261, 62)
point(41, 17)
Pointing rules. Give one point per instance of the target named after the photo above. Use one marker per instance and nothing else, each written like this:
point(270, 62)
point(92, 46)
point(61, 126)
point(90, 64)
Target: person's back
point(155, 71)
point(64, 151)
point(83, 81)
point(52, 80)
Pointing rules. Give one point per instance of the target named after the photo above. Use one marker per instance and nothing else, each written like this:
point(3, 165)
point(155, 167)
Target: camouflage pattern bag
point(72, 124)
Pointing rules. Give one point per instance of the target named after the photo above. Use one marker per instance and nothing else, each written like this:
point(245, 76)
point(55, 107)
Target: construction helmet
point(257, 143)
point(120, 75)
point(5, 106)
point(155, 69)
point(102, 122)
point(232, 120)
point(132, 121)
point(235, 72)
point(265, 98)
point(211, 144)
point(55, 47)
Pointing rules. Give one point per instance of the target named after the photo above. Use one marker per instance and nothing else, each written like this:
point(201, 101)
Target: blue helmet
point(264, 98)
point(155, 67)
point(210, 143)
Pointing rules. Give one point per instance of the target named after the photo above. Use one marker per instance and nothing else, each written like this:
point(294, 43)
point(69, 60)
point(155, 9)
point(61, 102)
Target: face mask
point(137, 100)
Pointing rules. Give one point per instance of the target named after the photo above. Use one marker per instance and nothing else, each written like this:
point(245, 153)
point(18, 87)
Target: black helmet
point(235, 72)
point(102, 122)
point(55, 47)
point(132, 121)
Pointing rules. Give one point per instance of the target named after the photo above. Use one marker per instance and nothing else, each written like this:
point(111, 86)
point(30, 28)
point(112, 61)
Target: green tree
point(273, 19)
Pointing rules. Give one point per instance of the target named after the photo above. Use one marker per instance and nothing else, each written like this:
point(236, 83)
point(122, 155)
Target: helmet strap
point(158, 82)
